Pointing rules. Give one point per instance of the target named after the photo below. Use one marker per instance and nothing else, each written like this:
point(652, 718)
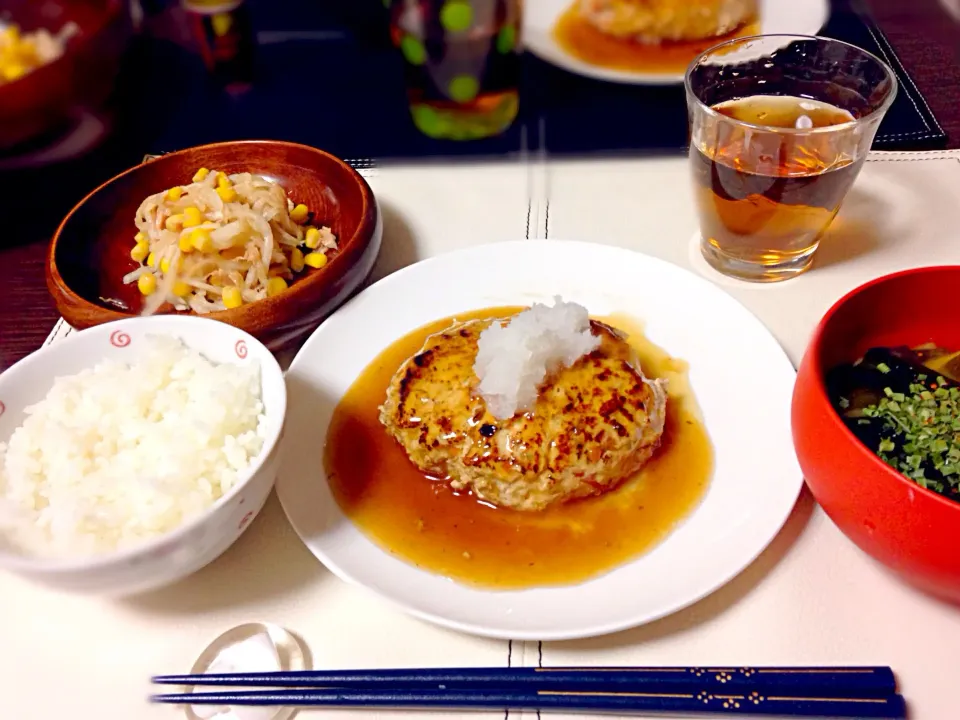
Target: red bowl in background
point(46, 99)
point(913, 531)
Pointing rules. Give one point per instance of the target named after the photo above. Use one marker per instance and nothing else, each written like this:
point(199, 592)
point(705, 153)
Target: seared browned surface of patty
point(594, 424)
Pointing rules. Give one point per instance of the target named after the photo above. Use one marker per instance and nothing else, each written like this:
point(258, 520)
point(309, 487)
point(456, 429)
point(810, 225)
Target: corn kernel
point(192, 217)
point(181, 289)
point(223, 181)
point(174, 223)
point(140, 252)
point(227, 194)
point(275, 286)
point(164, 266)
point(315, 260)
point(13, 71)
point(299, 213)
point(140, 238)
point(152, 260)
point(296, 260)
point(185, 244)
point(312, 238)
point(174, 193)
point(200, 239)
point(232, 297)
point(147, 283)
point(201, 175)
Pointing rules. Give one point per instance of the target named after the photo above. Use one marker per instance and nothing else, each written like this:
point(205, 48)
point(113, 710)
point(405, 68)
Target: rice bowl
point(161, 549)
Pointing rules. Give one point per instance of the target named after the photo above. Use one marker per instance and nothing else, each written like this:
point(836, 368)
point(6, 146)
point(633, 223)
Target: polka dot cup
point(462, 62)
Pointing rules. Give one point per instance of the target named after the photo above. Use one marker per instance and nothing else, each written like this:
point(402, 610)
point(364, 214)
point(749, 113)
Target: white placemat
point(811, 598)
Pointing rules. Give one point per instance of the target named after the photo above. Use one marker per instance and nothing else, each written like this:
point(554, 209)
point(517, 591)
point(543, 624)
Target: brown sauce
point(427, 524)
point(585, 42)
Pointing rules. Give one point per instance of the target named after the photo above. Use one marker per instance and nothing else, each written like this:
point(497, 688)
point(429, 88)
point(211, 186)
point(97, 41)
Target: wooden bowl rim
point(818, 372)
point(235, 316)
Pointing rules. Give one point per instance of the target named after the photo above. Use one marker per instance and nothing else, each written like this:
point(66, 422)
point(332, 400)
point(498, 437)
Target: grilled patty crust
point(594, 424)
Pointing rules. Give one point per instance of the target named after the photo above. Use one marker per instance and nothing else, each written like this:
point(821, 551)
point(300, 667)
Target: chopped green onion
point(925, 430)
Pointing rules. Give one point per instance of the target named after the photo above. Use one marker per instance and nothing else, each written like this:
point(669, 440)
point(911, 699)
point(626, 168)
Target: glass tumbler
point(780, 126)
point(462, 64)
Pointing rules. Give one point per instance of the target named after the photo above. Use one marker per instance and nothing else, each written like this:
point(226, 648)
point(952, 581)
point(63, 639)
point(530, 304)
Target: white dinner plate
point(794, 17)
point(740, 376)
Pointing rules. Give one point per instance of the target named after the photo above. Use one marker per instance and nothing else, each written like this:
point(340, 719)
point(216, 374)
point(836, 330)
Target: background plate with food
point(651, 42)
point(584, 507)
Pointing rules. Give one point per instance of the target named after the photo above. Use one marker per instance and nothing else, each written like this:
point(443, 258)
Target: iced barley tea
point(765, 198)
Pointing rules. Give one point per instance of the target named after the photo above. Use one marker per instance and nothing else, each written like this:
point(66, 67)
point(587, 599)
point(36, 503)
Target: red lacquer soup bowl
point(913, 531)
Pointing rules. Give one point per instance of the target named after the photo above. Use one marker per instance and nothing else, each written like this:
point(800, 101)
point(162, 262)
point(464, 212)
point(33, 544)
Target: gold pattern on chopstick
point(881, 701)
point(821, 671)
point(728, 701)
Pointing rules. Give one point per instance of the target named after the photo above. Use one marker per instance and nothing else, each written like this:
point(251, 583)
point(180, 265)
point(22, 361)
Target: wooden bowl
point(44, 100)
point(913, 531)
point(90, 251)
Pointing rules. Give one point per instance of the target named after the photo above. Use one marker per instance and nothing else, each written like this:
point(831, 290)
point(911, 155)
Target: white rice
point(514, 359)
point(122, 453)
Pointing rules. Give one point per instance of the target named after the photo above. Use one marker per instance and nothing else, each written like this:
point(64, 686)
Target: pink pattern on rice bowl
point(3, 408)
point(241, 349)
point(120, 339)
point(245, 520)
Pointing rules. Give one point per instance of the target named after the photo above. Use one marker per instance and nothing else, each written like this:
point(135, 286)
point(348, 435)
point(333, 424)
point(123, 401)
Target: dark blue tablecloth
point(327, 75)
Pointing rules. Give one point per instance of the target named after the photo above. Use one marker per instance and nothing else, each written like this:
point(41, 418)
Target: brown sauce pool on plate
point(588, 44)
point(421, 520)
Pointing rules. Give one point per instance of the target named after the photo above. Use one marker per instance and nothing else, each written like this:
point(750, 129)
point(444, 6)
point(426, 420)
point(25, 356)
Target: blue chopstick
point(821, 681)
point(727, 703)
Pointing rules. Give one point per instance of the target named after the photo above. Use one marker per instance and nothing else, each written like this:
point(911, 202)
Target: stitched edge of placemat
point(933, 131)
